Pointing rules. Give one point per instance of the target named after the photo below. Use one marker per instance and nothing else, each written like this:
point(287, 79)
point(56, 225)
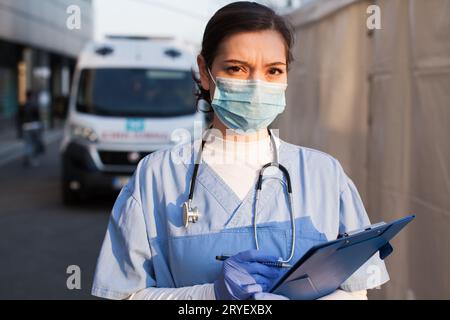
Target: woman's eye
point(234, 69)
point(275, 71)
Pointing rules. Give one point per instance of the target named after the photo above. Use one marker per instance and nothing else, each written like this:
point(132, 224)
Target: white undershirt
point(237, 164)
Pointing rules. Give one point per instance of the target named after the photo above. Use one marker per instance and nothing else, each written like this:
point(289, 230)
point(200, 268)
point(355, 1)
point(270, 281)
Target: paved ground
point(39, 237)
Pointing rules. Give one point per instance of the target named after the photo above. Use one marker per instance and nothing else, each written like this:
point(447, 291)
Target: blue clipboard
point(326, 266)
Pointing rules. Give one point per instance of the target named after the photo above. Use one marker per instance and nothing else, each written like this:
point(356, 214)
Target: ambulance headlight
point(84, 133)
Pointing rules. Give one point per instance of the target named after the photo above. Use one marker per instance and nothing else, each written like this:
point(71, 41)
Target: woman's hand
point(243, 275)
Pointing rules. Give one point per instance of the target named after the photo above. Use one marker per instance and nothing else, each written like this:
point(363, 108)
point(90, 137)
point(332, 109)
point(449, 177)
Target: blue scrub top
point(147, 245)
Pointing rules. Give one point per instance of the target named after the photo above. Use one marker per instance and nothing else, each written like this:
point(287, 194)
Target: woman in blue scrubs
point(151, 252)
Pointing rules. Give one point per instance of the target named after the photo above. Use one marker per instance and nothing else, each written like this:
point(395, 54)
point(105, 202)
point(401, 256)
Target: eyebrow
point(246, 63)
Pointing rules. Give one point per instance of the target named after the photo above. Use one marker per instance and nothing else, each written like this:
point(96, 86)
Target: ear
point(204, 75)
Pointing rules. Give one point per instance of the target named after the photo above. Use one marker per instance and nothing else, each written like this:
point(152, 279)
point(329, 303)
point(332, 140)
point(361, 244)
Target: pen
point(277, 264)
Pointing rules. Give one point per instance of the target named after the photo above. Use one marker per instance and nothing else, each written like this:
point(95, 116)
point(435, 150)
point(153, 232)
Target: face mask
point(247, 105)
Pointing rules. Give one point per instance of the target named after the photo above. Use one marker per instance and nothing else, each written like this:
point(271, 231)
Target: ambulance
point(130, 96)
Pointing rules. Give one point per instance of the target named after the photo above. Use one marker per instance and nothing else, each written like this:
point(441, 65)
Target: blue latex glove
point(243, 276)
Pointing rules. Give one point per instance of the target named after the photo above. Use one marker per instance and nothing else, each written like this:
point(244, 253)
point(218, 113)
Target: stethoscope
point(191, 214)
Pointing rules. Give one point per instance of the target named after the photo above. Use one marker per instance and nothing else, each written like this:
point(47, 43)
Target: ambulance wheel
point(70, 197)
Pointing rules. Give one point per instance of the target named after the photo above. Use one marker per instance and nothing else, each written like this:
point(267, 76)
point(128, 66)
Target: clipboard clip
point(384, 251)
point(351, 233)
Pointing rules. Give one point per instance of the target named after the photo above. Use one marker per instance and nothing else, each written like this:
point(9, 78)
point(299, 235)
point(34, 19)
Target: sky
point(184, 19)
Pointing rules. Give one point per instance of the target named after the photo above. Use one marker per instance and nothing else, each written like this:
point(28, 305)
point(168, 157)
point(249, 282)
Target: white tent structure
point(379, 101)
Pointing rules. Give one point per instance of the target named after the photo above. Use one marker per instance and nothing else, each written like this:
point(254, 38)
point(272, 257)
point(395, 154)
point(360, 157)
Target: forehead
point(267, 45)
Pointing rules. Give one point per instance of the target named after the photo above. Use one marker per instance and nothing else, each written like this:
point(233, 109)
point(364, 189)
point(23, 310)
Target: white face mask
point(248, 105)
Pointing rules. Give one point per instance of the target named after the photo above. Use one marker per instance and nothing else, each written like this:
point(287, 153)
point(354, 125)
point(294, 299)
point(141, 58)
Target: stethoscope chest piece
point(190, 215)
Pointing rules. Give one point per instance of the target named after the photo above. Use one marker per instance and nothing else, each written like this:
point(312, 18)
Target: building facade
point(378, 100)
point(39, 43)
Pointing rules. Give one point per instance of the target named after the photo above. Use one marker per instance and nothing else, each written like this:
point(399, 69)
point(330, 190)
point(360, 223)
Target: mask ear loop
point(212, 78)
point(209, 108)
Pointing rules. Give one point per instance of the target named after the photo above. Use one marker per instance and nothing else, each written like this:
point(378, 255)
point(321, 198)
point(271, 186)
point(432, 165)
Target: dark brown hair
point(241, 16)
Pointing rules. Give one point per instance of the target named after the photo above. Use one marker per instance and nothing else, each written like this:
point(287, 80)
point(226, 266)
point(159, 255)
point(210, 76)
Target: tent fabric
point(379, 101)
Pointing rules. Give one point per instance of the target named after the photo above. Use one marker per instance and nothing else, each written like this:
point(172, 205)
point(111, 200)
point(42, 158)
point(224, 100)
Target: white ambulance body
point(129, 98)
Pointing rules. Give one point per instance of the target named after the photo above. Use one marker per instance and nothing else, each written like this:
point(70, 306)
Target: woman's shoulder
point(319, 165)
point(176, 154)
point(312, 156)
point(160, 164)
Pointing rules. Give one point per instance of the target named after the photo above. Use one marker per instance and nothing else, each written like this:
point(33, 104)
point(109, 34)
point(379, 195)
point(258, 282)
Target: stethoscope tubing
point(258, 190)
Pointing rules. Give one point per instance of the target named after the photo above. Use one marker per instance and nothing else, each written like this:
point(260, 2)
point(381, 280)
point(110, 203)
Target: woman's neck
point(228, 134)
